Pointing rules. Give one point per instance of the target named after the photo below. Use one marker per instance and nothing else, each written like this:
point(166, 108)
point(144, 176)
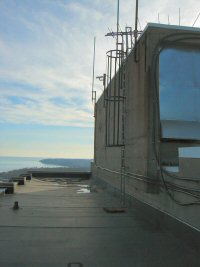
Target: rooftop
point(60, 224)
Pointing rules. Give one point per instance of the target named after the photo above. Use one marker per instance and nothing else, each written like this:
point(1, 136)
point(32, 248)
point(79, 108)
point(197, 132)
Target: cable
point(181, 178)
point(153, 181)
point(196, 20)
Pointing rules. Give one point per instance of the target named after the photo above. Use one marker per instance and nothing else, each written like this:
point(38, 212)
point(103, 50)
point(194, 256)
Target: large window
point(179, 89)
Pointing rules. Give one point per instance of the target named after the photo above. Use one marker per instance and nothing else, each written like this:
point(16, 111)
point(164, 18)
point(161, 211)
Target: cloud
point(55, 64)
point(46, 50)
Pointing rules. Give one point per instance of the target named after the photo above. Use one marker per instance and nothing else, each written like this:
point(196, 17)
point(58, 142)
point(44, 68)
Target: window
point(179, 92)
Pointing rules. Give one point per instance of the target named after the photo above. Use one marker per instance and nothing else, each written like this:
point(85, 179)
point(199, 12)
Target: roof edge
point(174, 27)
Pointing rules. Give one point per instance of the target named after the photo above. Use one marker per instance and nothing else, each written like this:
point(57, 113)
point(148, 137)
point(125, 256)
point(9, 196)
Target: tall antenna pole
point(117, 24)
point(136, 16)
point(136, 29)
point(93, 92)
point(94, 99)
point(179, 15)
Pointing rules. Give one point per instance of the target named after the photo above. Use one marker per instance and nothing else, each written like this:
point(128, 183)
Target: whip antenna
point(93, 91)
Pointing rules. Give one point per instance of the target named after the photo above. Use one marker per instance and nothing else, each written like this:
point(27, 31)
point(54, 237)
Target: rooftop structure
point(147, 116)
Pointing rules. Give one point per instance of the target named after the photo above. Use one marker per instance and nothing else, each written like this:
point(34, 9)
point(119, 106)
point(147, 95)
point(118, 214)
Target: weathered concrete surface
point(56, 226)
point(142, 126)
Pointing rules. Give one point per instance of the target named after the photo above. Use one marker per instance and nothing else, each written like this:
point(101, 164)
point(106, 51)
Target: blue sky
point(46, 51)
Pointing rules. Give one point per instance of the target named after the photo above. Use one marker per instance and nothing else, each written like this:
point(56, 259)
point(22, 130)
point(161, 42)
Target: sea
point(16, 163)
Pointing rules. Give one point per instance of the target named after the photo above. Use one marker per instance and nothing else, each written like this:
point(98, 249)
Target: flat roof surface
point(57, 225)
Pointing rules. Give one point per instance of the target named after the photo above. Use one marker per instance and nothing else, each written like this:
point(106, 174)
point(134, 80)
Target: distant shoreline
point(9, 174)
point(22, 165)
point(67, 163)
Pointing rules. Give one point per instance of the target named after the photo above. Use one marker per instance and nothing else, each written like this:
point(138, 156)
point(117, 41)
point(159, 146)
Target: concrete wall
point(143, 178)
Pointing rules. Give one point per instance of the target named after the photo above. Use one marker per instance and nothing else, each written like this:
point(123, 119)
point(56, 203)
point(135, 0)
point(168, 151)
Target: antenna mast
point(93, 91)
point(136, 17)
point(136, 29)
point(117, 24)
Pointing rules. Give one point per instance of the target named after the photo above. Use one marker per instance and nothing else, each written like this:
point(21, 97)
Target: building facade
point(147, 122)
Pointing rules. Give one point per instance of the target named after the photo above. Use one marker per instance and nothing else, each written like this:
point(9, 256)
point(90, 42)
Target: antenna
point(179, 16)
point(111, 32)
point(117, 25)
point(196, 20)
point(136, 28)
point(136, 16)
point(158, 18)
point(93, 92)
point(168, 20)
point(139, 24)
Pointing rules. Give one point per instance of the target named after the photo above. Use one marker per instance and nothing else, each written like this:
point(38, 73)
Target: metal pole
point(114, 106)
point(127, 45)
point(109, 99)
point(116, 59)
point(117, 25)
point(93, 68)
point(118, 106)
point(136, 29)
point(168, 20)
point(95, 123)
point(136, 16)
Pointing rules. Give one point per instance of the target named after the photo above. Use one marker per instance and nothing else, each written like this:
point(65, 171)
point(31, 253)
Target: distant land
point(68, 163)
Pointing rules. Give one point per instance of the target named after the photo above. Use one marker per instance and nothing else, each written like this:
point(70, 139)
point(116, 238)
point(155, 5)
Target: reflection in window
point(179, 84)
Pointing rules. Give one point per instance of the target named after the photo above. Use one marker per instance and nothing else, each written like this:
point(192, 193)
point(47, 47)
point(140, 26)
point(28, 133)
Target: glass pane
point(179, 84)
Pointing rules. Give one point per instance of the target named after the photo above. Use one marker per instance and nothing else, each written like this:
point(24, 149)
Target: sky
point(46, 53)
